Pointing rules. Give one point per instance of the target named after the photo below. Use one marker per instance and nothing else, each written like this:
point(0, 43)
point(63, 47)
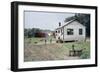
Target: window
point(58, 31)
point(61, 31)
point(69, 31)
point(80, 31)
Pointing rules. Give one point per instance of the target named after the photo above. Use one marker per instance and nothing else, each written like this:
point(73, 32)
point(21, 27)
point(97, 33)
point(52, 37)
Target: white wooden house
point(71, 31)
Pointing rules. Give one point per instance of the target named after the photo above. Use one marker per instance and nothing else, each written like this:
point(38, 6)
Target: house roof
point(67, 23)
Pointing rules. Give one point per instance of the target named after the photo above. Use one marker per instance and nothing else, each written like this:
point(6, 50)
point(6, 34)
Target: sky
point(44, 20)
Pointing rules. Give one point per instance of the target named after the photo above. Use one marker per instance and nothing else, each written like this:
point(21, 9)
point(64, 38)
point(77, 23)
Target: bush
point(85, 55)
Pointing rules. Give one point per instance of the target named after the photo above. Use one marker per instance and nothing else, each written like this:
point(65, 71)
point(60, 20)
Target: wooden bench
point(74, 52)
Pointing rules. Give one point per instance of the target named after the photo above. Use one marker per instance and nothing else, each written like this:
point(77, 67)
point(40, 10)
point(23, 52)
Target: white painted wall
point(5, 38)
point(75, 26)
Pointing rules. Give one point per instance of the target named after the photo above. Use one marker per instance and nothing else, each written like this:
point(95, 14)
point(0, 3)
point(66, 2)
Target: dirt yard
point(53, 51)
point(46, 52)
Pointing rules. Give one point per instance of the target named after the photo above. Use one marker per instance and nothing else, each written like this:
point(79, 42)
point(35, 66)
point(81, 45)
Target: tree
point(33, 32)
point(69, 18)
point(83, 19)
point(25, 32)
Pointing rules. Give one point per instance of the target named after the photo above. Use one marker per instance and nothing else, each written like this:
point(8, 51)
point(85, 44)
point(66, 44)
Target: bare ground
point(46, 52)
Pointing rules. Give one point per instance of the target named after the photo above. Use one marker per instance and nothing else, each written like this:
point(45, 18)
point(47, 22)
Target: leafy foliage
point(34, 32)
point(85, 55)
point(83, 19)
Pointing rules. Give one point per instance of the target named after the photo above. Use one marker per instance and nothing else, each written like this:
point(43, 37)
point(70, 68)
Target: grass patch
point(35, 40)
point(80, 45)
point(53, 51)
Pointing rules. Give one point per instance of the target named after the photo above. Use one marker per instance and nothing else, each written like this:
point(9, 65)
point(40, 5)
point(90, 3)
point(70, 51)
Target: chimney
point(59, 24)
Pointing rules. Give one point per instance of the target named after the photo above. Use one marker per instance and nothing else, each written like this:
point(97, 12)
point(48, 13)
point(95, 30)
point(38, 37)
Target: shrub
point(85, 55)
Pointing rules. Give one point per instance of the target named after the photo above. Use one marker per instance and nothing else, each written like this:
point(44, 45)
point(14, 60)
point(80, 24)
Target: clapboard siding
point(75, 25)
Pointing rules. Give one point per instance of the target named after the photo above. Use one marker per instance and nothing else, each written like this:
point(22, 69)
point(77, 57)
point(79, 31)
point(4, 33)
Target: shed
point(71, 31)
